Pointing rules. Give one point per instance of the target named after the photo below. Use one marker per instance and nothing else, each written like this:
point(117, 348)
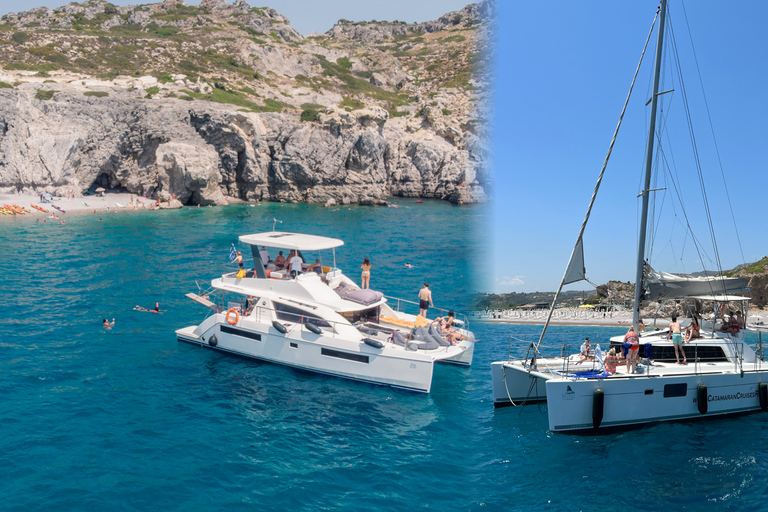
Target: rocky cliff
point(168, 99)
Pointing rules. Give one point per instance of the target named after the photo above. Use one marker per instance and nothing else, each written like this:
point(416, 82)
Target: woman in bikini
point(366, 275)
point(611, 360)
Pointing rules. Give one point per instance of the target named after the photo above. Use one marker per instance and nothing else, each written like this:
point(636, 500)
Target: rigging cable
point(714, 140)
point(597, 185)
point(696, 157)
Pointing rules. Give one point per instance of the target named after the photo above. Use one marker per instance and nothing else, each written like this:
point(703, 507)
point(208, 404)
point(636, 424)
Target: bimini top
point(298, 241)
point(721, 298)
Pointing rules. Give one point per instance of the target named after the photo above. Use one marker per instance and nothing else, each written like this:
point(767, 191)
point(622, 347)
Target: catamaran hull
point(580, 404)
point(515, 385)
point(310, 352)
point(464, 358)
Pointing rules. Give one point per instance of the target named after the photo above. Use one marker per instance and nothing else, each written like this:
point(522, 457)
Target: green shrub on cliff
point(42, 94)
point(98, 94)
point(20, 37)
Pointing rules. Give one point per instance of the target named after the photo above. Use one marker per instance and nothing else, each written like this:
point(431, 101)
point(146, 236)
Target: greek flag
point(232, 253)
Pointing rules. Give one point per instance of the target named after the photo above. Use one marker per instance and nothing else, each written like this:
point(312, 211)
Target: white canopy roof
point(298, 241)
point(721, 298)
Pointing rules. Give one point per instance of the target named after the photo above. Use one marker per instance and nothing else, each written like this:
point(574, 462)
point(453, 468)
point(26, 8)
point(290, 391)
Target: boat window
point(704, 354)
point(365, 315)
point(239, 332)
point(673, 390)
point(360, 358)
point(296, 315)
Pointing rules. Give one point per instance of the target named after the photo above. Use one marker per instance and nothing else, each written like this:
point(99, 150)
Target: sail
point(664, 285)
point(575, 271)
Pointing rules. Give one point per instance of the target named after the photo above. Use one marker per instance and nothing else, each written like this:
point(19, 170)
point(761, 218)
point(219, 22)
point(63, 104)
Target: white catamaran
point(723, 375)
point(319, 320)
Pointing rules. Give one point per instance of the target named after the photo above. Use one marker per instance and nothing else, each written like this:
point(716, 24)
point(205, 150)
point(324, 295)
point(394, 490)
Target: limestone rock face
point(201, 152)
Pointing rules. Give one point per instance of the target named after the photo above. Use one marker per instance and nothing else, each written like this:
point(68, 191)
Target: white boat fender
point(762, 393)
point(212, 341)
point(280, 327)
point(598, 402)
point(313, 327)
point(373, 343)
point(701, 398)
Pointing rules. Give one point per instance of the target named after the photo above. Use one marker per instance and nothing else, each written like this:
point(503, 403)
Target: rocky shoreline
point(352, 117)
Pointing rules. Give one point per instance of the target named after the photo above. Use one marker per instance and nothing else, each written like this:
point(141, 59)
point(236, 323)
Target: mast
point(648, 165)
point(575, 270)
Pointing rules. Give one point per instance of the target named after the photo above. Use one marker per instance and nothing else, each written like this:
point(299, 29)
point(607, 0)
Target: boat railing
point(699, 357)
point(399, 305)
point(550, 347)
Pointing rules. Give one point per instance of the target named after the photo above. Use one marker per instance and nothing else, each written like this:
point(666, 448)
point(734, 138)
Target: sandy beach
point(578, 316)
point(108, 203)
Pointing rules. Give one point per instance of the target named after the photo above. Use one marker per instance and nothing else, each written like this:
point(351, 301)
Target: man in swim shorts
point(676, 334)
point(425, 300)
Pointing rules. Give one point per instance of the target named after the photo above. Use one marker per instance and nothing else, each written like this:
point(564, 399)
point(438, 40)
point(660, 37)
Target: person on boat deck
point(675, 333)
point(732, 325)
point(693, 330)
point(640, 326)
point(239, 261)
point(611, 360)
point(365, 277)
point(280, 261)
point(446, 327)
point(264, 256)
point(425, 300)
point(740, 320)
point(585, 351)
point(633, 351)
point(296, 263)
point(315, 267)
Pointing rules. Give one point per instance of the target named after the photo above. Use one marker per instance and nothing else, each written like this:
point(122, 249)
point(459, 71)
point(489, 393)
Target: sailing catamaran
point(724, 374)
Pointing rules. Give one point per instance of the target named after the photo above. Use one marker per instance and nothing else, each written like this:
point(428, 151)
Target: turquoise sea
point(130, 419)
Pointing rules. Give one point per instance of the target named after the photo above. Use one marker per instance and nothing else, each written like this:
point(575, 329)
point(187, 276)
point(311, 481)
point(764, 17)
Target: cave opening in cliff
point(109, 182)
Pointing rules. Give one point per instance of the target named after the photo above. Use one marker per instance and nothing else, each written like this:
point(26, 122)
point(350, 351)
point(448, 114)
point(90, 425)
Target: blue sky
point(563, 70)
point(307, 15)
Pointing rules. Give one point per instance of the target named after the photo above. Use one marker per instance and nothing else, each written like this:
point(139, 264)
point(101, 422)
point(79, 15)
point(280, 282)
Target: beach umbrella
point(100, 190)
point(47, 195)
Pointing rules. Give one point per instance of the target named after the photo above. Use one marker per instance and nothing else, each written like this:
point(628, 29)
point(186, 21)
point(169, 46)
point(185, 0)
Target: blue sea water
point(130, 419)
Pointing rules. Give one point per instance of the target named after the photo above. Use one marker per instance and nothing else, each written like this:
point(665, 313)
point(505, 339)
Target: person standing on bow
point(425, 300)
point(366, 275)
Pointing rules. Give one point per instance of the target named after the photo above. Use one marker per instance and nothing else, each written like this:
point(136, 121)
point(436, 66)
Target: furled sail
point(659, 285)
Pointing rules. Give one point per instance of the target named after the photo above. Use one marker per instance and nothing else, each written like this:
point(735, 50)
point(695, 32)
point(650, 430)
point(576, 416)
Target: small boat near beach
point(60, 209)
point(321, 321)
point(668, 376)
point(39, 208)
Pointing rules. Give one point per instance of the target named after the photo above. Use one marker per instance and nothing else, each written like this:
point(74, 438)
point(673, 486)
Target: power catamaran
point(723, 375)
point(319, 320)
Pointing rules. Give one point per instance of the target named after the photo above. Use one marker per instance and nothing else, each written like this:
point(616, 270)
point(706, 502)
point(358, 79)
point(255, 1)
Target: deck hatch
point(240, 332)
point(360, 358)
point(673, 390)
